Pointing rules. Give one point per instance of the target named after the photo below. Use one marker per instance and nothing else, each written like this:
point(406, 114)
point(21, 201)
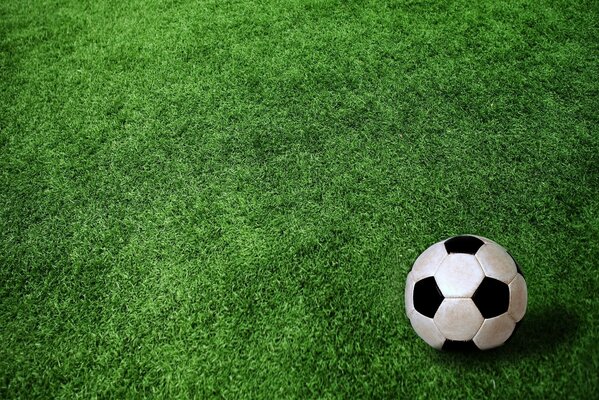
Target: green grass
point(223, 199)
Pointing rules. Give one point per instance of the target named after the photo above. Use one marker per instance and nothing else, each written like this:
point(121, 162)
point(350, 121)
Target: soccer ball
point(465, 292)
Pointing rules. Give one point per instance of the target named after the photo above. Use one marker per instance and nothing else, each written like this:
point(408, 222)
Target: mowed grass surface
point(223, 199)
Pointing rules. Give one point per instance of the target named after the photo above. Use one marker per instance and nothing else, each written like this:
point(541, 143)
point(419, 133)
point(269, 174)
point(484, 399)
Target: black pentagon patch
point(463, 244)
point(458, 345)
point(427, 297)
point(492, 297)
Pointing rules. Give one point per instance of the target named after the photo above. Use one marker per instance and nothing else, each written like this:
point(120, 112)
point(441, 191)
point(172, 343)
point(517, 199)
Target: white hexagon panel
point(496, 262)
point(409, 299)
point(459, 275)
point(518, 298)
point(427, 263)
point(494, 332)
point(458, 319)
point(427, 330)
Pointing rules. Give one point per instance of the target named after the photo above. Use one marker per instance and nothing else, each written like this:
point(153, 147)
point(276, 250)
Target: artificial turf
point(223, 199)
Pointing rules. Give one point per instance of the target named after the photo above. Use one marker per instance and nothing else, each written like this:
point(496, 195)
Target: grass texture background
point(223, 198)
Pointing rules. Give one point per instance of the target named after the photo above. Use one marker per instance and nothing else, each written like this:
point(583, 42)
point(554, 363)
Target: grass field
point(223, 199)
